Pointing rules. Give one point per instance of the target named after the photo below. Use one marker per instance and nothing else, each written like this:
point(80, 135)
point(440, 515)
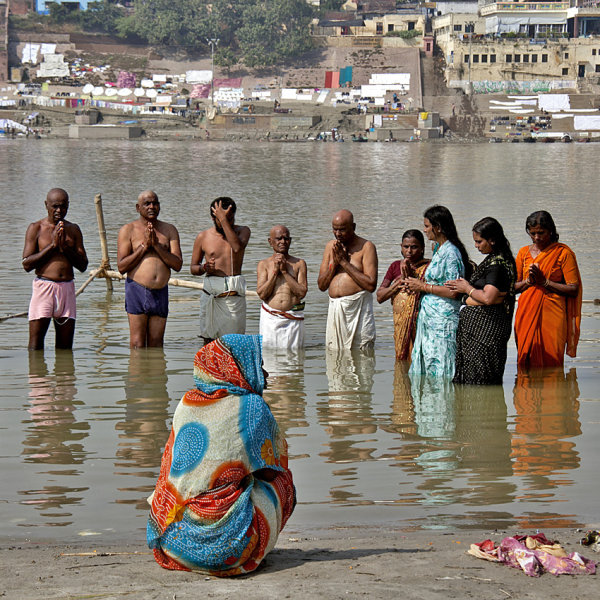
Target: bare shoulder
point(33, 228)
point(167, 229)
point(72, 226)
point(264, 262)
point(294, 260)
point(368, 245)
point(243, 232)
point(127, 228)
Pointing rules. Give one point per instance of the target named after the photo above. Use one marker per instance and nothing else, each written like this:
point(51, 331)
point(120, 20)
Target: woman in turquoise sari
point(434, 350)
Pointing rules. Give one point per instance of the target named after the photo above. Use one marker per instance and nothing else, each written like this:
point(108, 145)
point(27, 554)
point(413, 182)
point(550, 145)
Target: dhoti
point(281, 328)
point(350, 322)
point(223, 306)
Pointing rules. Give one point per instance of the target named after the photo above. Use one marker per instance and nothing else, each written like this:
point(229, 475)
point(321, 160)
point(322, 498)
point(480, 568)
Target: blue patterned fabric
point(434, 350)
point(247, 352)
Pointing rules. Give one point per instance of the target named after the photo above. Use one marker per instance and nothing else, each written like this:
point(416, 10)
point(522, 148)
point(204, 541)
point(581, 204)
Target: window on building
point(411, 25)
point(597, 68)
point(534, 58)
point(475, 58)
point(484, 58)
point(390, 27)
point(525, 57)
point(565, 71)
point(566, 55)
point(508, 58)
point(379, 28)
point(544, 58)
point(492, 58)
point(466, 58)
point(593, 51)
point(458, 28)
point(517, 58)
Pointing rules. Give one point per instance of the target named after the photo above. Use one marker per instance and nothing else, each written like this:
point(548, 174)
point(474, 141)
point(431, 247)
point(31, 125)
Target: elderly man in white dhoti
point(349, 272)
point(281, 285)
point(223, 304)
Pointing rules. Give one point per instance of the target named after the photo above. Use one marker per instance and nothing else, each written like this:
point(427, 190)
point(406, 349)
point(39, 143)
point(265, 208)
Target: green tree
point(101, 16)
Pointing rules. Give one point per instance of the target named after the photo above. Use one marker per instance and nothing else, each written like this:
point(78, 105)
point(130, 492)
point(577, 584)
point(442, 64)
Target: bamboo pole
point(103, 244)
point(194, 285)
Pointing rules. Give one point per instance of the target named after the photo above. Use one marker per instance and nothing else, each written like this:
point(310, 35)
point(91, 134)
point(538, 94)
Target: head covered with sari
point(230, 365)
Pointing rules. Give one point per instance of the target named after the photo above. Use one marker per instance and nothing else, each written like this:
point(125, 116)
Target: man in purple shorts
point(53, 246)
point(147, 251)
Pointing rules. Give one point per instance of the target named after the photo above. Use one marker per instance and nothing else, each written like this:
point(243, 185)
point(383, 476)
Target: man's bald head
point(343, 226)
point(147, 194)
point(280, 239)
point(342, 217)
point(57, 194)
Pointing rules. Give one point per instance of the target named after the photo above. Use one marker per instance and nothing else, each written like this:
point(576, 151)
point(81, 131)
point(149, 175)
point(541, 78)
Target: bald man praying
point(349, 273)
point(281, 285)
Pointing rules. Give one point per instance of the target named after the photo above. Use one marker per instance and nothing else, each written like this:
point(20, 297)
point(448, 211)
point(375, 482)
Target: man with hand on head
point(222, 247)
point(281, 285)
point(148, 249)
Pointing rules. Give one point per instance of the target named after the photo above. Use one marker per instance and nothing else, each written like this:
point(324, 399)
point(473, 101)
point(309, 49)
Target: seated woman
point(224, 491)
point(434, 349)
point(404, 302)
point(548, 318)
point(485, 318)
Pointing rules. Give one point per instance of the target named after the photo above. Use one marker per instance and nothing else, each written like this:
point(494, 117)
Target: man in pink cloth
point(53, 246)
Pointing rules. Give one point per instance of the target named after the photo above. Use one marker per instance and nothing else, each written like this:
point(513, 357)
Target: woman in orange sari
point(548, 317)
point(404, 302)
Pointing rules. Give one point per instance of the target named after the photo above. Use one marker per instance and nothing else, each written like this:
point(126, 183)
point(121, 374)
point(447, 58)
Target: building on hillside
point(43, 6)
point(444, 7)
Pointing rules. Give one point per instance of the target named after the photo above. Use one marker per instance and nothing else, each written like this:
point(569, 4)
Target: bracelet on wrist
point(471, 292)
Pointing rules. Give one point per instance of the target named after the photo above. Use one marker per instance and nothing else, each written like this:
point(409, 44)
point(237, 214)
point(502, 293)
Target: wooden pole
point(194, 285)
point(103, 244)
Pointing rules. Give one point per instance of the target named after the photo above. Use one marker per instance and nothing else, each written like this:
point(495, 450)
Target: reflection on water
point(347, 417)
point(143, 433)
point(543, 446)
point(285, 392)
point(53, 434)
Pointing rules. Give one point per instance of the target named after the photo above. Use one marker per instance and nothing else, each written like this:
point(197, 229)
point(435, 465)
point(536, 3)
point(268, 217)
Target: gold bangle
point(472, 290)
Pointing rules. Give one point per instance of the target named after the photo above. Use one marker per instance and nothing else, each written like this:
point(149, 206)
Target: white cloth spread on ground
point(281, 329)
point(350, 321)
point(223, 306)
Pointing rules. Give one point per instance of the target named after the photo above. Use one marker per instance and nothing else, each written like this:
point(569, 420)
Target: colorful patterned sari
point(224, 491)
point(406, 308)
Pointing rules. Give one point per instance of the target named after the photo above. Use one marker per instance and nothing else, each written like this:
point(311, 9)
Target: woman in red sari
point(548, 317)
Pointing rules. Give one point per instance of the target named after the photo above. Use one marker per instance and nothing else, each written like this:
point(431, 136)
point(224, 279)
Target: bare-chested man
point(349, 272)
point(147, 250)
point(281, 285)
point(53, 246)
point(223, 305)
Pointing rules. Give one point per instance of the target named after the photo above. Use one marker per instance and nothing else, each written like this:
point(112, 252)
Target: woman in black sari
point(485, 319)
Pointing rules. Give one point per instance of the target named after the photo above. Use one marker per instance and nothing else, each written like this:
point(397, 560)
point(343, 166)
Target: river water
point(81, 434)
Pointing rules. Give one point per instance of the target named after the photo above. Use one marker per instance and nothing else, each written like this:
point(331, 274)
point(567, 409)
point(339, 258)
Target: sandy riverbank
point(334, 563)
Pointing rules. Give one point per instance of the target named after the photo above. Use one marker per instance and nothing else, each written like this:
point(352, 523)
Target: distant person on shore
point(281, 285)
point(405, 304)
point(349, 272)
point(548, 317)
point(223, 304)
point(53, 246)
point(148, 249)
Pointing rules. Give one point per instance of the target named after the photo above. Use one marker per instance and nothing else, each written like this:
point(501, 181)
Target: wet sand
point(335, 563)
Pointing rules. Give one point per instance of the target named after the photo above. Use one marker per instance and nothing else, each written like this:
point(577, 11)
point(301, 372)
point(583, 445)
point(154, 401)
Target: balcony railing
point(496, 7)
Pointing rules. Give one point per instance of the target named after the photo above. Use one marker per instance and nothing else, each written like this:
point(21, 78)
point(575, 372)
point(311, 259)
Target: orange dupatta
point(532, 300)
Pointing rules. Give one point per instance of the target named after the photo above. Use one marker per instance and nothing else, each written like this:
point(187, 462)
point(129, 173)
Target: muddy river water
point(81, 433)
